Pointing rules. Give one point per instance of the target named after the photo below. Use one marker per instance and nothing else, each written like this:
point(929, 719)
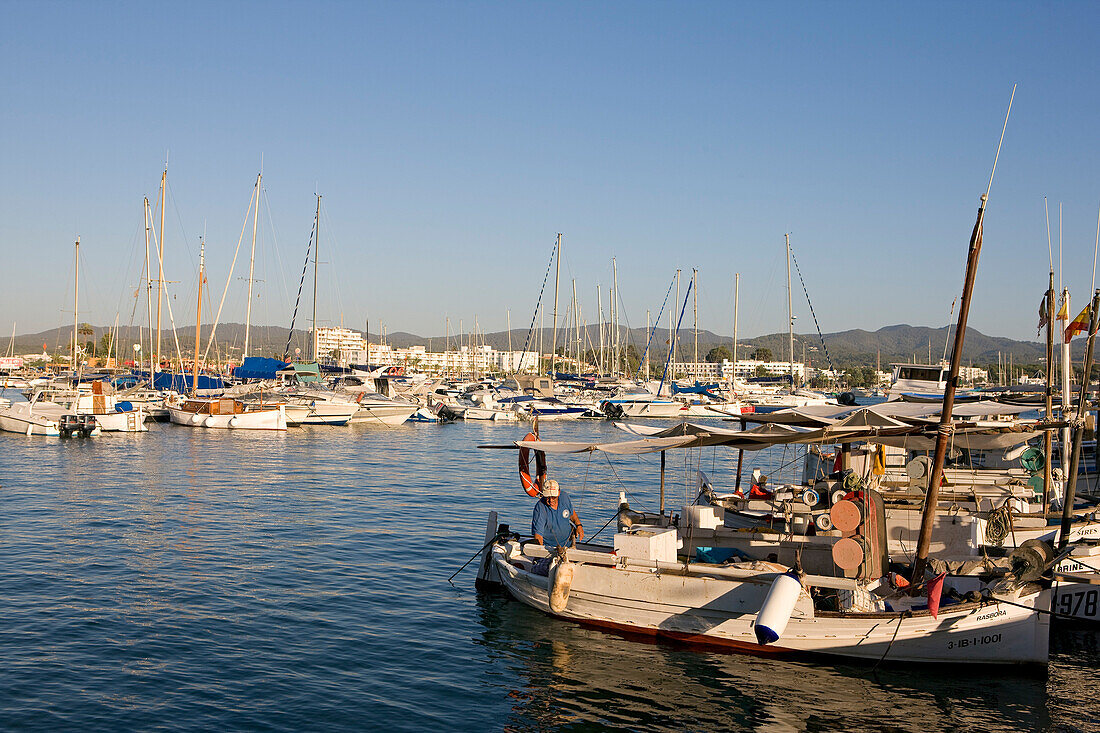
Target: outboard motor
point(613, 411)
point(67, 425)
point(87, 425)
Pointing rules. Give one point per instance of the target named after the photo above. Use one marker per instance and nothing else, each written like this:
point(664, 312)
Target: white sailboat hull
point(721, 612)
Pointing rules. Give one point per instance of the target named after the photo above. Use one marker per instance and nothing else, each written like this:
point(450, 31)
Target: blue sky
point(452, 141)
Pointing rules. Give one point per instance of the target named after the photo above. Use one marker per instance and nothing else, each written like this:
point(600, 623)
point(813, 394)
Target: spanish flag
point(1078, 324)
point(1062, 314)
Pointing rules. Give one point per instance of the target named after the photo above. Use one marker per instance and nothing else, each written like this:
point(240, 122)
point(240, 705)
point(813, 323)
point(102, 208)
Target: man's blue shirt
point(553, 525)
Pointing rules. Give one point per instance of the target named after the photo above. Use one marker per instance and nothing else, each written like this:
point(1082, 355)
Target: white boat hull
point(721, 612)
point(271, 419)
point(320, 413)
point(391, 415)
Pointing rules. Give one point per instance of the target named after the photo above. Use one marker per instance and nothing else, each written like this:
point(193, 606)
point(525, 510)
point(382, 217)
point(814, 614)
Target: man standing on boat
point(554, 522)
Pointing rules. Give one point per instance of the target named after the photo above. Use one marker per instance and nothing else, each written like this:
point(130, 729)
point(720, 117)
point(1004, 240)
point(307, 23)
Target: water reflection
point(560, 675)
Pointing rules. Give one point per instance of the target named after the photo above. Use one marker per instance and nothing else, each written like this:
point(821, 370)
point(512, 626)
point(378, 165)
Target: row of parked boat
point(276, 395)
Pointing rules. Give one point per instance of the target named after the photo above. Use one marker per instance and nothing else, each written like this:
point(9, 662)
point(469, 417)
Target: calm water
point(192, 579)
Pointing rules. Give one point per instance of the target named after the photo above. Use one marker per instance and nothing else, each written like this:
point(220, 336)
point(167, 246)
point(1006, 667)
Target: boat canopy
point(259, 367)
point(302, 372)
point(821, 415)
point(863, 424)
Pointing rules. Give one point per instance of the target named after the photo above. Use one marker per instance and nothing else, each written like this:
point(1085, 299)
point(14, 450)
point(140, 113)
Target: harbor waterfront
point(196, 579)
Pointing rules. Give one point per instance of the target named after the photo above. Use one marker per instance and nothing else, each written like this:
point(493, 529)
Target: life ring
point(533, 487)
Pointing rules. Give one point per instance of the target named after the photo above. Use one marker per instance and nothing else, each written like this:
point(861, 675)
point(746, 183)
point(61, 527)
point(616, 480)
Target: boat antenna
point(945, 428)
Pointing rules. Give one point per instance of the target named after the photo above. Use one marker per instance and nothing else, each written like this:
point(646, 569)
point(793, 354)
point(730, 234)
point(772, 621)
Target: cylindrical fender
point(778, 606)
point(561, 580)
point(533, 486)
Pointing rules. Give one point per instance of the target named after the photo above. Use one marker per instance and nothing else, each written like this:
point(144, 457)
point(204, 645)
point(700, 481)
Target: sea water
point(189, 579)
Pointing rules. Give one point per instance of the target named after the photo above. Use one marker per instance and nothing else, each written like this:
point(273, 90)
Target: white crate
point(648, 544)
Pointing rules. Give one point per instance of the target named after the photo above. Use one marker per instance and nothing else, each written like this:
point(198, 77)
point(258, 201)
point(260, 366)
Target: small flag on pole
point(1078, 324)
point(1043, 314)
point(1063, 311)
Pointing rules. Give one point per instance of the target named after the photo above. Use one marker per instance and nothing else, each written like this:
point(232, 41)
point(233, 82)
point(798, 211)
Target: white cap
point(550, 488)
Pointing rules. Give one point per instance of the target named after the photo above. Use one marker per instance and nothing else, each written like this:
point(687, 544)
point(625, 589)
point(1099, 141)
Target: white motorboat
point(112, 414)
point(374, 408)
point(41, 417)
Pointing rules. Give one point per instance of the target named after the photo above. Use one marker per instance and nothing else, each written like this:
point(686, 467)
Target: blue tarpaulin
point(180, 382)
point(259, 367)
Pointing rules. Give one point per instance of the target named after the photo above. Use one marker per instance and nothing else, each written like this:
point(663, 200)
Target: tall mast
point(671, 336)
point(1078, 432)
point(508, 316)
point(160, 265)
point(647, 341)
point(790, 310)
point(599, 320)
point(615, 311)
point(695, 308)
point(251, 265)
point(1067, 371)
point(577, 323)
point(148, 292)
point(317, 246)
point(945, 429)
point(554, 338)
point(198, 317)
point(736, 294)
point(76, 301)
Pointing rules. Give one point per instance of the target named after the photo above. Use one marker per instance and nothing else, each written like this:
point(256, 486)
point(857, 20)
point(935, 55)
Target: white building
point(746, 368)
point(482, 359)
point(331, 338)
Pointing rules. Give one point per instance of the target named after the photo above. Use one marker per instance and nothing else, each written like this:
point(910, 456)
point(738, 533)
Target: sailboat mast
point(577, 323)
point(251, 265)
point(615, 311)
point(790, 310)
point(647, 341)
point(317, 246)
point(599, 320)
point(76, 302)
point(671, 336)
point(198, 318)
point(148, 293)
point(160, 262)
point(557, 276)
point(736, 294)
point(695, 308)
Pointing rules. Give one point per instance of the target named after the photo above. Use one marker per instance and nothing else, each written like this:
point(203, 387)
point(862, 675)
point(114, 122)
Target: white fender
point(778, 606)
point(233, 422)
point(196, 418)
point(561, 580)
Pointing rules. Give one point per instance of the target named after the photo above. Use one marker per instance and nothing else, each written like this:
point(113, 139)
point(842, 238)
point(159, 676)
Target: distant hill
point(856, 347)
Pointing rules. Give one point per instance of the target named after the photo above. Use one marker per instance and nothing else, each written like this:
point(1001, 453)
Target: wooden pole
point(662, 483)
point(945, 428)
point(1079, 430)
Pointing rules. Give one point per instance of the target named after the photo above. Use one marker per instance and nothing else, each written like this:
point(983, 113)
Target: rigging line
point(812, 313)
point(675, 337)
point(275, 244)
point(305, 267)
point(649, 339)
point(217, 318)
point(538, 306)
